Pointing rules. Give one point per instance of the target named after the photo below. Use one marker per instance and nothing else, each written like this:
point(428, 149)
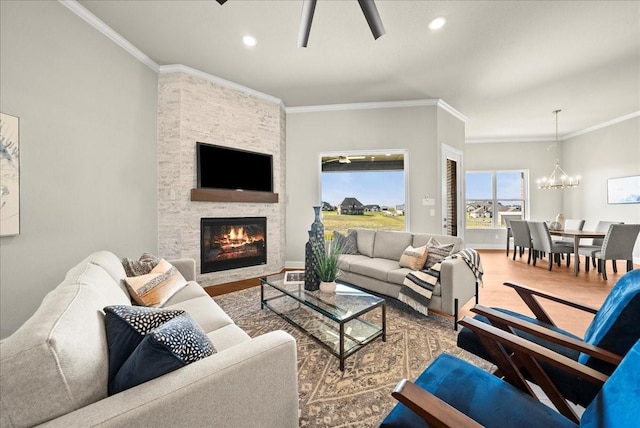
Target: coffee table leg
point(384, 321)
point(342, 346)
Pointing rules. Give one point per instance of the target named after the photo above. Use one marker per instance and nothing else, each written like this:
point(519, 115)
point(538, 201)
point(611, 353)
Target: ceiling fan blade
point(308, 7)
point(221, 2)
point(373, 17)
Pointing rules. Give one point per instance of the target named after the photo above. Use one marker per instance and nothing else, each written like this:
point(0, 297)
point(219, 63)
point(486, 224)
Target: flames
point(237, 237)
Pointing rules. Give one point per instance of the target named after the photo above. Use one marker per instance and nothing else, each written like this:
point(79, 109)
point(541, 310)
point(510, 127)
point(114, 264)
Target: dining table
point(577, 235)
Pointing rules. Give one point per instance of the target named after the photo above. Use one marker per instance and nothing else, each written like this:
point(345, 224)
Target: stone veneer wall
point(192, 109)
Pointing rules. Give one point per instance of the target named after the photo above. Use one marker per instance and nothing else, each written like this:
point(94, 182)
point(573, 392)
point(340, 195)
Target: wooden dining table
point(577, 235)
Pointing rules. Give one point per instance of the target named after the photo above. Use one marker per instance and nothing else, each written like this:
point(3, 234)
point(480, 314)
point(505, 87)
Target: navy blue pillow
point(126, 327)
point(176, 343)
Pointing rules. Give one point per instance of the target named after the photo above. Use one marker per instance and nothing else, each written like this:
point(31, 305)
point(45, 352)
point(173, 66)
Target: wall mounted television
point(233, 169)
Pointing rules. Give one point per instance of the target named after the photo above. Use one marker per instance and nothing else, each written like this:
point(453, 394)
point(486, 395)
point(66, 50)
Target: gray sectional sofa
point(54, 368)
point(376, 268)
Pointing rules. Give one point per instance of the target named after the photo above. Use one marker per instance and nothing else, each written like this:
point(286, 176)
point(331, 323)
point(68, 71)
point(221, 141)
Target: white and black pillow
point(436, 252)
point(142, 266)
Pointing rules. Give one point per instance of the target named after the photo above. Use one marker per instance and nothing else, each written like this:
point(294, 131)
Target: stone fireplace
point(231, 243)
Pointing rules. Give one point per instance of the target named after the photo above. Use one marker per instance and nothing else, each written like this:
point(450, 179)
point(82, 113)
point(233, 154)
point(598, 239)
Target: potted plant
point(327, 265)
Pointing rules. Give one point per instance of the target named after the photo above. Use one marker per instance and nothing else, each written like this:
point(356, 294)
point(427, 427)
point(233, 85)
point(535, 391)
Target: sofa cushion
point(420, 239)
point(391, 244)
point(365, 239)
point(174, 344)
point(436, 252)
point(126, 328)
point(190, 291)
point(348, 244)
point(205, 311)
point(414, 258)
point(142, 266)
point(377, 268)
point(156, 287)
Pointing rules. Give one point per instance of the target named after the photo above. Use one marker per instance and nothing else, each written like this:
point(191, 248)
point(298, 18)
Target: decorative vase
point(560, 220)
point(311, 278)
point(328, 287)
point(317, 228)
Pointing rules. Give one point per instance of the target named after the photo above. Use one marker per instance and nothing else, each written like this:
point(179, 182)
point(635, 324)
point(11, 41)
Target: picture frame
point(294, 277)
point(623, 190)
point(9, 175)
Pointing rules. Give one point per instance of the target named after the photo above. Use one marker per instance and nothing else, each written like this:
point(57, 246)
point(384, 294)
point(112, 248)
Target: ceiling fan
point(343, 159)
point(309, 6)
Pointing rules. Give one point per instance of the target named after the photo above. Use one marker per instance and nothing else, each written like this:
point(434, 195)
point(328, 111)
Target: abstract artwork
point(9, 175)
point(623, 190)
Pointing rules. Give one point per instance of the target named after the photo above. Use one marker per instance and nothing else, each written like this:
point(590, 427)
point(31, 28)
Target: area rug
point(361, 395)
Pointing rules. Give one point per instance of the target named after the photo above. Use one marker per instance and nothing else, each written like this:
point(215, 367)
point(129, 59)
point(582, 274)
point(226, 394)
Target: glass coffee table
point(342, 322)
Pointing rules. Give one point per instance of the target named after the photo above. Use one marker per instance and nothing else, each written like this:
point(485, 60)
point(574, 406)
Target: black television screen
point(227, 168)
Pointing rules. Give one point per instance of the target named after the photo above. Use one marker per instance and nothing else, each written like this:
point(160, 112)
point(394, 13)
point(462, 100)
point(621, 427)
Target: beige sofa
point(376, 268)
point(54, 369)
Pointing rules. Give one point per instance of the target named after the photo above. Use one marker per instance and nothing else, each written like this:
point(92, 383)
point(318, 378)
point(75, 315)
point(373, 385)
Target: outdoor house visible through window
point(493, 196)
point(363, 189)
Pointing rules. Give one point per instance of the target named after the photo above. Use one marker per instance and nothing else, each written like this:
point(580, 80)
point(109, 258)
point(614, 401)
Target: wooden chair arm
point(506, 321)
point(528, 295)
point(437, 413)
point(528, 355)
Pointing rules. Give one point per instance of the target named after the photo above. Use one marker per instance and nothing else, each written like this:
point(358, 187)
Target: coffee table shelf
point(335, 321)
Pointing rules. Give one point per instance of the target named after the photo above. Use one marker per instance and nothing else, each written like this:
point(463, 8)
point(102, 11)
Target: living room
point(108, 140)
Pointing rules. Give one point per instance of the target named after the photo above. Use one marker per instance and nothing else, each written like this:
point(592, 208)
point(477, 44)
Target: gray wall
point(612, 151)
point(88, 156)
point(415, 129)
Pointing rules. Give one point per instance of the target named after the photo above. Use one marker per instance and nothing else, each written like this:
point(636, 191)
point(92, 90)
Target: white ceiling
point(505, 65)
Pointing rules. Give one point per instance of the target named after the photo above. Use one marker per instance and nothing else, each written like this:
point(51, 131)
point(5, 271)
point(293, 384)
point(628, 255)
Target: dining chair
point(521, 238)
point(570, 224)
point(507, 223)
point(543, 244)
point(589, 250)
point(617, 245)
point(611, 333)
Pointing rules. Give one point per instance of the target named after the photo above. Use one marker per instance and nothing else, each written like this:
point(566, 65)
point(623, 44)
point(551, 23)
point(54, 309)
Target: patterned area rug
point(361, 395)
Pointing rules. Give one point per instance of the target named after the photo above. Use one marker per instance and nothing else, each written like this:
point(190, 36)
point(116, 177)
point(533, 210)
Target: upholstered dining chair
point(589, 251)
point(543, 244)
point(609, 336)
point(521, 238)
point(454, 393)
point(617, 245)
point(570, 224)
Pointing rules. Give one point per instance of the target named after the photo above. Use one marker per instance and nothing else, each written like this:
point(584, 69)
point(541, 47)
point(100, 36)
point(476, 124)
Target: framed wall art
point(623, 190)
point(9, 175)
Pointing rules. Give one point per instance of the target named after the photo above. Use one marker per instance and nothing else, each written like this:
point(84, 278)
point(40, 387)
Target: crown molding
point(551, 137)
point(179, 68)
point(377, 105)
point(99, 25)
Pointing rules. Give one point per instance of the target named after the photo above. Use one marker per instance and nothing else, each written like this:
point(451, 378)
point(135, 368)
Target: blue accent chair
point(454, 393)
point(613, 330)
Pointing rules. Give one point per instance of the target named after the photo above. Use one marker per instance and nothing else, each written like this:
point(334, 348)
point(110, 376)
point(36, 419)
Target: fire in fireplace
point(231, 243)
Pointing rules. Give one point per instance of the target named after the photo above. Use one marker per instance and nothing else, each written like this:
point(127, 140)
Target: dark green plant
point(327, 260)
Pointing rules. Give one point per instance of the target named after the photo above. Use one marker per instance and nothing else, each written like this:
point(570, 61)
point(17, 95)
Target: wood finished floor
point(586, 288)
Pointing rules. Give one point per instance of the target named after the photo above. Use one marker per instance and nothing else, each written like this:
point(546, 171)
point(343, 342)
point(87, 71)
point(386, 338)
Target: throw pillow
point(126, 326)
point(141, 266)
point(176, 343)
point(348, 243)
point(414, 258)
point(437, 252)
point(156, 287)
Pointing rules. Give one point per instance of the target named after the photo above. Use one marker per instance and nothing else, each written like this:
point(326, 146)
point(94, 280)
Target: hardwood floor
point(587, 288)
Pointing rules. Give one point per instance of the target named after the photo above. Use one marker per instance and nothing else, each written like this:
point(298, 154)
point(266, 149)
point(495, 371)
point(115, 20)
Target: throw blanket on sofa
point(418, 285)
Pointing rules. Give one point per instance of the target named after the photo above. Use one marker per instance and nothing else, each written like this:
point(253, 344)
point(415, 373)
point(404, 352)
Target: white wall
point(88, 158)
point(412, 128)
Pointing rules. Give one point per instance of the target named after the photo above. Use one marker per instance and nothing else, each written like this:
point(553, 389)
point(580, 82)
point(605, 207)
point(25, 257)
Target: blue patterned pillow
point(126, 327)
point(178, 342)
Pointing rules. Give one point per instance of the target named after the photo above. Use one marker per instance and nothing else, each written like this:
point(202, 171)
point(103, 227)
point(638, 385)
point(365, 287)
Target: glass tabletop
point(347, 302)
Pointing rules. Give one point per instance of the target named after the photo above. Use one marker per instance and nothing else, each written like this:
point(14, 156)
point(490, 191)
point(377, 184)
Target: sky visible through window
point(508, 184)
point(384, 188)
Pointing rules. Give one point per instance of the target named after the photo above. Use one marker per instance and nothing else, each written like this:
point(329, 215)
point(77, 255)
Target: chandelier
point(558, 179)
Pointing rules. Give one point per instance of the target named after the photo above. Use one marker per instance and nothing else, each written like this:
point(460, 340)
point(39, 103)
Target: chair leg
point(615, 266)
point(603, 269)
point(550, 260)
point(593, 262)
point(629, 265)
point(568, 259)
point(529, 258)
point(587, 263)
point(514, 252)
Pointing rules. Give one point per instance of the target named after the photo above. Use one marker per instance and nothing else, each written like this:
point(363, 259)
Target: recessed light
point(249, 40)
point(437, 23)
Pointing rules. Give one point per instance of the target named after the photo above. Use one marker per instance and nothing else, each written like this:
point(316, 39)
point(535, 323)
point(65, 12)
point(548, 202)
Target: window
point(493, 196)
point(363, 189)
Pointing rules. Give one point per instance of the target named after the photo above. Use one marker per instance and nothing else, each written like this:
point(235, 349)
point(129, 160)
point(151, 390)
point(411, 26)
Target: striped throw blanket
point(418, 285)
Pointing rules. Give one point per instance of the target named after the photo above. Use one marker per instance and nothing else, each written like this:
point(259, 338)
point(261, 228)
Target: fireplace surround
point(232, 243)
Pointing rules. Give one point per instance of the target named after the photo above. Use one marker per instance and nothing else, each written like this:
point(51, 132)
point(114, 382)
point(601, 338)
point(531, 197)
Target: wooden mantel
point(224, 195)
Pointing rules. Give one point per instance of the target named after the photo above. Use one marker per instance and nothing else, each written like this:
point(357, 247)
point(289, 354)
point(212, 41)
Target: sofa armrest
point(457, 281)
point(234, 387)
point(186, 266)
